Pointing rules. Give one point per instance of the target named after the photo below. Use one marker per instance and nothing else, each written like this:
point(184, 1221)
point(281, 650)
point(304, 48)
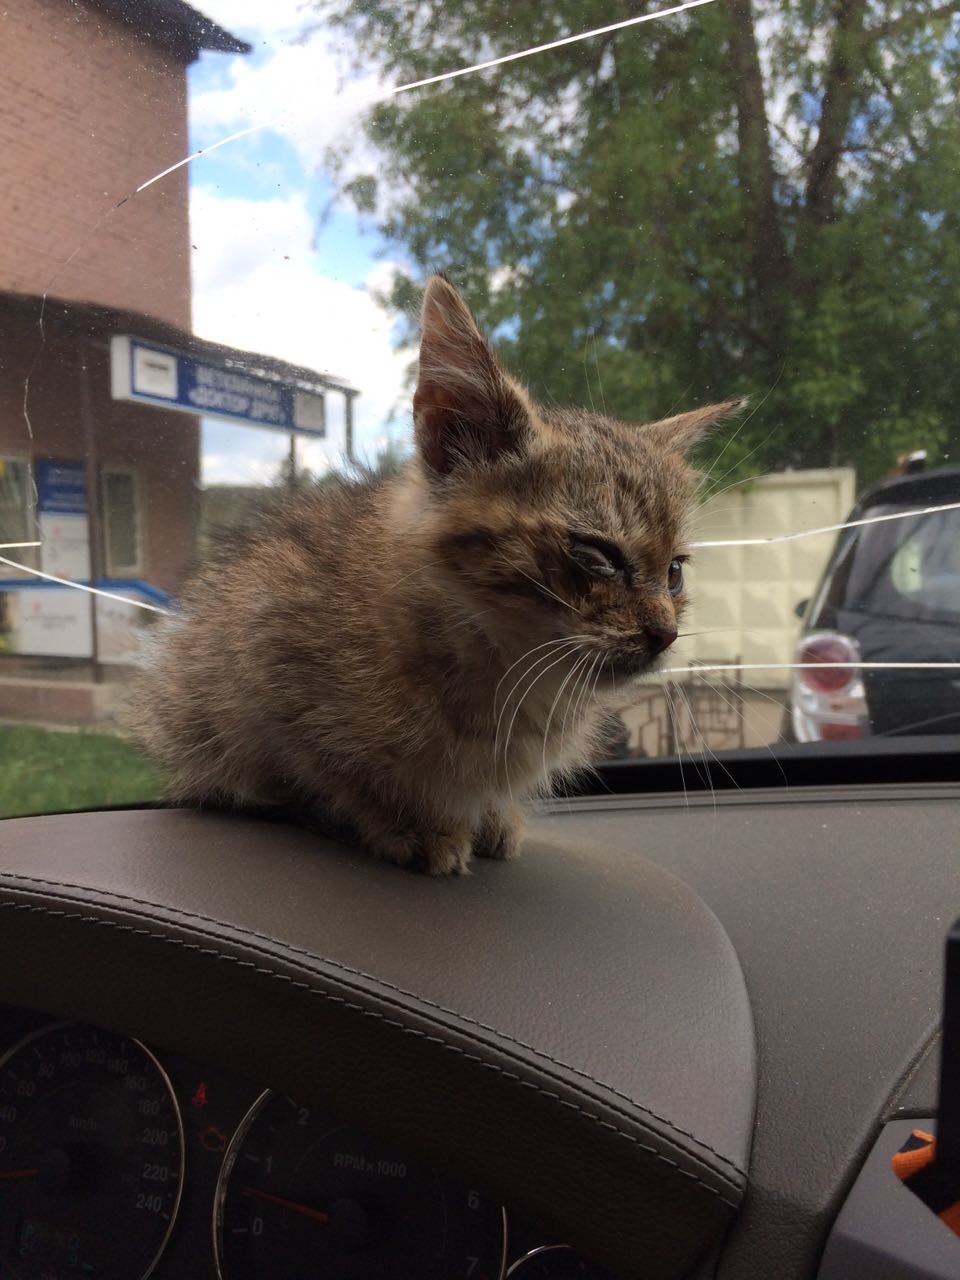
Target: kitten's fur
point(390, 655)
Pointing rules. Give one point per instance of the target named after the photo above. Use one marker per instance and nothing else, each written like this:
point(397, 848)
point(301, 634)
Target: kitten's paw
point(499, 835)
point(438, 853)
point(445, 853)
point(400, 848)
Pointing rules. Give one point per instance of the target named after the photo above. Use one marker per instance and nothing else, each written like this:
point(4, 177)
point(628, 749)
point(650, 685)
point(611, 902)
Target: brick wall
point(88, 111)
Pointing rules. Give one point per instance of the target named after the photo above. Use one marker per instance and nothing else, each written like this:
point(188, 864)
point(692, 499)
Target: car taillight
point(828, 700)
point(831, 649)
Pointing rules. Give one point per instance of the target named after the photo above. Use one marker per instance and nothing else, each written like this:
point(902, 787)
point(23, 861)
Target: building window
point(121, 523)
point(16, 513)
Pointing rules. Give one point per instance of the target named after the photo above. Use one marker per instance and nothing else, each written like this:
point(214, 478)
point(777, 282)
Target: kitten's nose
point(659, 638)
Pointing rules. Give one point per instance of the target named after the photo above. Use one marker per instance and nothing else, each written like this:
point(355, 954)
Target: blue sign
point(61, 488)
point(152, 374)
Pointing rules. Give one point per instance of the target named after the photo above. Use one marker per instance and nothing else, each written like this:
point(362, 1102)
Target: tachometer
point(555, 1262)
point(303, 1197)
point(91, 1157)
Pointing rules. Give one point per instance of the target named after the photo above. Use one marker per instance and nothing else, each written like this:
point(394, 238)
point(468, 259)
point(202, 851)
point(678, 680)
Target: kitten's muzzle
point(659, 638)
point(634, 656)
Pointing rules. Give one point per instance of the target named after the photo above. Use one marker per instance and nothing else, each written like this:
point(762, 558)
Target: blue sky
point(269, 274)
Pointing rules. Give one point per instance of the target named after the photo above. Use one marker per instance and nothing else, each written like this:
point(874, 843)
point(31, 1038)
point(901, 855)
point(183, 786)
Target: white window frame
point(113, 570)
point(26, 555)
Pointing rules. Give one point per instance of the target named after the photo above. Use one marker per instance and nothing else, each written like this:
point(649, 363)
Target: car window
point(922, 573)
point(216, 227)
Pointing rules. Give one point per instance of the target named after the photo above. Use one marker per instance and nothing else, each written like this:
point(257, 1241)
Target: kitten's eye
point(601, 560)
point(675, 576)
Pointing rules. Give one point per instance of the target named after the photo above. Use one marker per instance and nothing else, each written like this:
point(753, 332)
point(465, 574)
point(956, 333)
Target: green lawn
point(44, 771)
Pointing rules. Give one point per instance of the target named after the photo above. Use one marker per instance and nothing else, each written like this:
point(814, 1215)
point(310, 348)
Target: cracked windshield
point(218, 222)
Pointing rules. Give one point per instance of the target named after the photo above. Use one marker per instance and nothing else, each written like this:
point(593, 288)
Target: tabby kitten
point(408, 658)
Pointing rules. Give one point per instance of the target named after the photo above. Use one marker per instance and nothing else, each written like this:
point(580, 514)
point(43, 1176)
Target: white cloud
point(300, 91)
point(257, 286)
point(229, 468)
point(254, 19)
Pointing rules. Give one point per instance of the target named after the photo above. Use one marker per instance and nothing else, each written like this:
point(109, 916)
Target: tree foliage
point(758, 196)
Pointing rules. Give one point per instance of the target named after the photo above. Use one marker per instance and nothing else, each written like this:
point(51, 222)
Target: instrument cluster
point(119, 1163)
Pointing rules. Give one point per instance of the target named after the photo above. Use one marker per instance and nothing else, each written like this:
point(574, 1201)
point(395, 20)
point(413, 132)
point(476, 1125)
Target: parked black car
point(890, 593)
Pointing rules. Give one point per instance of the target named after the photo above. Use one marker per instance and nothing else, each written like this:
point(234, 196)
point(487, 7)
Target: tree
point(757, 196)
point(290, 475)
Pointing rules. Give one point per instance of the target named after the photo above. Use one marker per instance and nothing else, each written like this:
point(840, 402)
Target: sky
point(279, 265)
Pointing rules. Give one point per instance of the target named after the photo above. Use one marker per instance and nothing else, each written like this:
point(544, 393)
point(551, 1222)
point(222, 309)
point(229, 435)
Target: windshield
point(217, 224)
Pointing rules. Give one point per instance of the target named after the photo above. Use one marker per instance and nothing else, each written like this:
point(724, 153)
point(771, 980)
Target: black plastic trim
point(866, 761)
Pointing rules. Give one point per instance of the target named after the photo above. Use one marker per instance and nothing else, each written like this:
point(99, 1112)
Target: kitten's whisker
point(760, 693)
point(740, 427)
point(769, 750)
point(781, 707)
point(552, 660)
point(589, 688)
point(568, 708)
point(720, 479)
point(743, 424)
point(545, 645)
point(704, 749)
point(580, 701)
point(580, 663)
point(541, 586)
point(718, 493)
point(580, 704)
point(516, 711)
point(570, 646)
point(573, 700)
point(715, 631)
point(690, 750)
point(597, 680)
point(738, 711)
point(674, 721)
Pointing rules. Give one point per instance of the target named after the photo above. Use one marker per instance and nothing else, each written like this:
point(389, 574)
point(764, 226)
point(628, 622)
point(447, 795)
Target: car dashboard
point(164, 1166)
point(671, 1039)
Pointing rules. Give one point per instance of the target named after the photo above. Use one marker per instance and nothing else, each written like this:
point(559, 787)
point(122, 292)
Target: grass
point(46, 771)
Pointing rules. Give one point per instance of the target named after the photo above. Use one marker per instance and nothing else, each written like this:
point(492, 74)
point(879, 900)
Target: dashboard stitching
point(293, 949)
point(371, 1013)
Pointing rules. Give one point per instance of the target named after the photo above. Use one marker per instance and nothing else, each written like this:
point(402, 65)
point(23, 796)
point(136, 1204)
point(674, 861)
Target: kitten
point(409, 657)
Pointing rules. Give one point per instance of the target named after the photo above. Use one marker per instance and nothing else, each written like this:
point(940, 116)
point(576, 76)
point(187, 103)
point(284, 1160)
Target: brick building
point(99, 370)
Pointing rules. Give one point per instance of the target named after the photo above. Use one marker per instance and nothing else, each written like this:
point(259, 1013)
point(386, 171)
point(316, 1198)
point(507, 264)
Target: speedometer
point(91, 1157)
point(304, 1197)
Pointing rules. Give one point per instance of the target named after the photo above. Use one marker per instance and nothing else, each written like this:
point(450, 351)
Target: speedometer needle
point(20, 1173)
point(316, 1214)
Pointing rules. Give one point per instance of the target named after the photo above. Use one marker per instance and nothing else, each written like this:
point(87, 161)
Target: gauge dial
point(555, 1262)
point(303, 1196)
point(91, 1157)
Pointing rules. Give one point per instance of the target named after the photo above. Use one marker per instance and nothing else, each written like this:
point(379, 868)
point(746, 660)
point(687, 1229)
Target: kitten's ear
point(466, 408)
point(680, 433)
